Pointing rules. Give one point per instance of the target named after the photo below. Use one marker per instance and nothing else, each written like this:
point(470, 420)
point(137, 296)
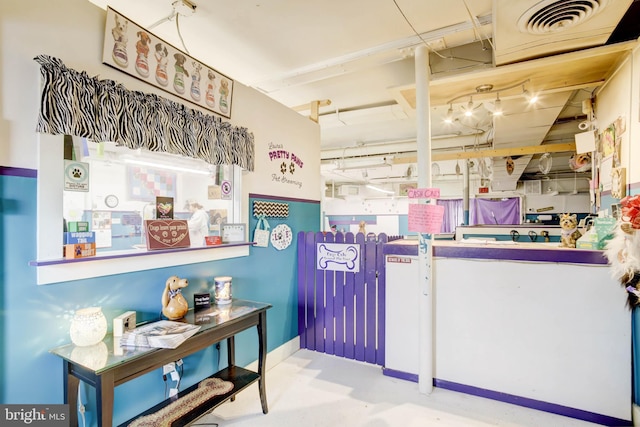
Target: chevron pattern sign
point(270, 209)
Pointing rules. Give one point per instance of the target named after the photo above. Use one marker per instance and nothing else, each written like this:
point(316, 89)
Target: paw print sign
point(76, 176)
point(284, 168)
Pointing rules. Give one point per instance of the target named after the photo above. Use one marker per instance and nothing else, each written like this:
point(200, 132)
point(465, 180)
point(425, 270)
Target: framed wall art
point(133, 50)
point(233, 233)
point(145, 184)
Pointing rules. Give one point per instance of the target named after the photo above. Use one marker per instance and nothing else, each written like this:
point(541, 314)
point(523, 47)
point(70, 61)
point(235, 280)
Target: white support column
point(465, 193)
point(425, 327)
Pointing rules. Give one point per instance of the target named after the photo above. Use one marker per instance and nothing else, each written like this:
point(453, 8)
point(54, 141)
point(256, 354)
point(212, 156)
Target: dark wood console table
point(106, 365)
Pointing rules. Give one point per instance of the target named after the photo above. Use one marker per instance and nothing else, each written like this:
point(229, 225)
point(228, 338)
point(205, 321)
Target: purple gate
point(342, 313)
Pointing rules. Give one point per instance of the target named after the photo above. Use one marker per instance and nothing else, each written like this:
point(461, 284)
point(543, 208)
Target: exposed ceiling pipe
point(326, 69)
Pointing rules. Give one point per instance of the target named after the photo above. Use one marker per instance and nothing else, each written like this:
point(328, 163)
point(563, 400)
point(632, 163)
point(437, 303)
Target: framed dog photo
point(131, 49)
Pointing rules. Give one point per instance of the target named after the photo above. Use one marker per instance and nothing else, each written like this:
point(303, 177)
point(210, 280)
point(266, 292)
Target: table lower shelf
point(241, 379)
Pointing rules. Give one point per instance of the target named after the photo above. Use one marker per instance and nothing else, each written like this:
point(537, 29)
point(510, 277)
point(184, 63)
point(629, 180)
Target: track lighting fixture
point(531, 99)
point(497, 106)
point(449, 117)
point(486, 89)
point(469, 111)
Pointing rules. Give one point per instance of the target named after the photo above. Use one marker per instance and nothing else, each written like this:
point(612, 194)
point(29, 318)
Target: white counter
point(551, 335)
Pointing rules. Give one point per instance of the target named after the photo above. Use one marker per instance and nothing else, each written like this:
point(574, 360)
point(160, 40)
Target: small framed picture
point(233, 233)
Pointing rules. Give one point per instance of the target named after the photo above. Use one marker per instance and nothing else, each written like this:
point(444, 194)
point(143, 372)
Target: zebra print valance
point(73, 103)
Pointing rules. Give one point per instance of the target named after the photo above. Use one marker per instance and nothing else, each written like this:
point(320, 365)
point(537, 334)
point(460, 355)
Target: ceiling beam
point(499, 152)
point(310, 105)
point(314, 106)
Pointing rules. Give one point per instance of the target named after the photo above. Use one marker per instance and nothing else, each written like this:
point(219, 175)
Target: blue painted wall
point(36, 318)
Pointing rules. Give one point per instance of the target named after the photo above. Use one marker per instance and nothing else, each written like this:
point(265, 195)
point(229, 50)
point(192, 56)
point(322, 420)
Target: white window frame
point(53, 268)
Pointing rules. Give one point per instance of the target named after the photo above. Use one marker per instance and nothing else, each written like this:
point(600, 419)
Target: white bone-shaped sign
point(338, 257)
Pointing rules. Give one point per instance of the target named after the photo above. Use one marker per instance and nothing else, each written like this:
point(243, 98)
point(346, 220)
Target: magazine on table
point(160, 334)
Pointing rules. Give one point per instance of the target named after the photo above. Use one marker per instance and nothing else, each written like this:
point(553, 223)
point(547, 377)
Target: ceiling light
point(531, 99)
point(345, 166)
point(167, 167)
point(372, 187)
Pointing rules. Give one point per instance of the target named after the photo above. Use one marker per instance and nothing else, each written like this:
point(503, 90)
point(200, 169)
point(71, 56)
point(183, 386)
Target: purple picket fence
point(342, 313)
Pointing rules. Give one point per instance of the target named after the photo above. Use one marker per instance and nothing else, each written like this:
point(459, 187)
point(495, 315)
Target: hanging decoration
point(261, 233)
point(545, 163)
point(580, 162)
point(281, 236)
point(623, 250)
point(73, 103)
point(510, 165)
point(618, 183)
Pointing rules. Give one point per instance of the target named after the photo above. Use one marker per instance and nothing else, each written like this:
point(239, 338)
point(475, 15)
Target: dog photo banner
point(130, 48)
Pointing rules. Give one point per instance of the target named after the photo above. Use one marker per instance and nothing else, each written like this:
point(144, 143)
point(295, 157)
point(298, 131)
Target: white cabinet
point(561, 203)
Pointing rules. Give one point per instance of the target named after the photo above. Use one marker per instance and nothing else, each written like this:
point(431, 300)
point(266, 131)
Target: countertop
point(500, 250)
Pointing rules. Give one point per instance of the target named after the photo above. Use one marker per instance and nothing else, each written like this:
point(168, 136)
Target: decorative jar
point(222, 290)
point(88, 326)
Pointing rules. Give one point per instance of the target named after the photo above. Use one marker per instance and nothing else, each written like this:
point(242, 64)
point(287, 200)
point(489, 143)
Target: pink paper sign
point(425, 218)
point(423, 193)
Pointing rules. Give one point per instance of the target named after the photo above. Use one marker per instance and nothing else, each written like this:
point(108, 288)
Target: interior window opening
point(121, 188)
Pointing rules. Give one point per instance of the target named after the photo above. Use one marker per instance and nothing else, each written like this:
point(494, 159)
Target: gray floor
point(313, 389)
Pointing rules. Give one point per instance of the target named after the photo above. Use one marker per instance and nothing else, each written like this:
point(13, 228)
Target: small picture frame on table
point(233, 233)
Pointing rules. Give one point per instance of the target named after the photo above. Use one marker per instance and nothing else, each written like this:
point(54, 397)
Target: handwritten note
point(425, 218)
point(423, 193)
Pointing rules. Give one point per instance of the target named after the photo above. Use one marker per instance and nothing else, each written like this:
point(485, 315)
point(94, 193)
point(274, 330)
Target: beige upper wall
point(73, 30)
point(619, 97)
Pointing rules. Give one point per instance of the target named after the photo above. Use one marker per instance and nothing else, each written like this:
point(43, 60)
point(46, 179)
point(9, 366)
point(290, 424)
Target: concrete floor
point(311, 389)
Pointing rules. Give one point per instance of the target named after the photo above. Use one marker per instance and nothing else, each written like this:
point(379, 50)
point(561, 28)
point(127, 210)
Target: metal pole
point(425, 326)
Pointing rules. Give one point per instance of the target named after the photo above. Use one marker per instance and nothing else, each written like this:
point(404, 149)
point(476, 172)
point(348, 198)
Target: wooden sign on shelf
point(167, 234)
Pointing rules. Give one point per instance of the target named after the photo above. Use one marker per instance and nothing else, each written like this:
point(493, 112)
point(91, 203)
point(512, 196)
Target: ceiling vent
point(533, 28)
point(553, 16)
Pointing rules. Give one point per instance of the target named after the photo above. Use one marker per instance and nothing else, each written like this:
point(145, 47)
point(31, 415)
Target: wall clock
point(111, 201)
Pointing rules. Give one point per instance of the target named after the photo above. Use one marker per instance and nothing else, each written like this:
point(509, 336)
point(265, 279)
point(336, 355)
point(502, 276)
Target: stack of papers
point(160, 334)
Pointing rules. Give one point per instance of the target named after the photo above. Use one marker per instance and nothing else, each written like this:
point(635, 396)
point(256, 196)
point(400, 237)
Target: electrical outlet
point(124, 322)
point(168, 368)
